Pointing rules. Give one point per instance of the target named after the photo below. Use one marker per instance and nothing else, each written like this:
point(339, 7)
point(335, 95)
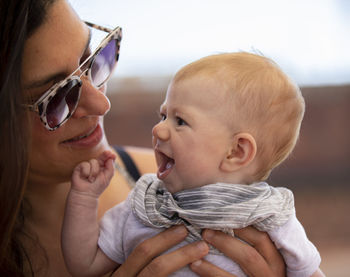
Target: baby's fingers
point(105, 157)
point(82, 170)
point(94, 170)
point(109, 169)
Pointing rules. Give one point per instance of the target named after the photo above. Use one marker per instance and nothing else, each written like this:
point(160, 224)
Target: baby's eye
point(180, 121)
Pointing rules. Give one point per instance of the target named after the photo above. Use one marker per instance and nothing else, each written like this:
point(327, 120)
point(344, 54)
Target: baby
point(226, 122)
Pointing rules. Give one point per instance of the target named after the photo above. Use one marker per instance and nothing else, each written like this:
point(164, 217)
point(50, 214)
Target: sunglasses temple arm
point(98, 27)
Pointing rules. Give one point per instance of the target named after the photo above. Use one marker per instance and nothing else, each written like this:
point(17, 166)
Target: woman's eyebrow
point(56, 76)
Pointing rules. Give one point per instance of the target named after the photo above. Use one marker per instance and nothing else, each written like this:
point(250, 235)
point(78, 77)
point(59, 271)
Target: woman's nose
point(160, 131)
point(93, 101)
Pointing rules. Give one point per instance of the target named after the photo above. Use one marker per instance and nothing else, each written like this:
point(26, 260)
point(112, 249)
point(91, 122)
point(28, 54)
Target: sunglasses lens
point(104, 63)
point(63, 103)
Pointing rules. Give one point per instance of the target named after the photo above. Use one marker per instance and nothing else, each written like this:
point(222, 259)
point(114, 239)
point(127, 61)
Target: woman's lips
point(90, 139)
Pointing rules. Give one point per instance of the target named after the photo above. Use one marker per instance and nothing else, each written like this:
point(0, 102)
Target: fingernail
point(208, 235)
point(180, 230)
point(197, 263)
point(202, 246)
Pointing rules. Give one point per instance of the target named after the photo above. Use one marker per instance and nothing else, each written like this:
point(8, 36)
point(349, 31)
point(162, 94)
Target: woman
point(43, 42)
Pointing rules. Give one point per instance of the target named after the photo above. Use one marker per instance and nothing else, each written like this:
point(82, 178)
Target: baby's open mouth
point(165, 165)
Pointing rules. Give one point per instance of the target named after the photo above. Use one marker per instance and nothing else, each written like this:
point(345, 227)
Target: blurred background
point(310, 40)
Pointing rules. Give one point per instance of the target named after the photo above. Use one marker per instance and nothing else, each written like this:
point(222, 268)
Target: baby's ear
point(240, 154)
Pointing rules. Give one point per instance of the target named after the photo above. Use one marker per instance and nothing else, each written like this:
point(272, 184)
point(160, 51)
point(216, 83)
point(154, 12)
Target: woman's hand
point(145, 260)
point(259, 258)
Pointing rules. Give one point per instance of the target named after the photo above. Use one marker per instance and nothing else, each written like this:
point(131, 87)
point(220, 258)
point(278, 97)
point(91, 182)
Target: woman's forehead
point(56, 46)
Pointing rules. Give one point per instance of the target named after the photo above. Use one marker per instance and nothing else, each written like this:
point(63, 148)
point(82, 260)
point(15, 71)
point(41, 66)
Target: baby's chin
point(171, 187)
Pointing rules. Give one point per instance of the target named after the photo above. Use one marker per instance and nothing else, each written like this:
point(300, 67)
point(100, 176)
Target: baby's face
point(193, 135)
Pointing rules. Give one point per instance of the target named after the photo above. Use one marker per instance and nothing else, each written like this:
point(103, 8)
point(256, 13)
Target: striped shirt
point(219, 206)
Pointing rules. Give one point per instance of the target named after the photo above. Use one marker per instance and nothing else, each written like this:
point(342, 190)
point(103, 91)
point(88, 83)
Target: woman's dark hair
point(18, 20)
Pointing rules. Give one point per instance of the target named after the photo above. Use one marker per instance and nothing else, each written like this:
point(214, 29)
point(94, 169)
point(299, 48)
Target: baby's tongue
point(165, 168)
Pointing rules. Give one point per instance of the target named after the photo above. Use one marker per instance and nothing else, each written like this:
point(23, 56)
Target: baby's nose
point(160, 131)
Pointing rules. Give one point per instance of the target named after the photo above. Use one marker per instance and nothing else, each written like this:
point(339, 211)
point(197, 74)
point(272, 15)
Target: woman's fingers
point(258, 258)
point(205, 269)
point(250, 259)
point(145, 259)
point(150, 248)
point(243, 254)
point(171, 262)
point(263, 244)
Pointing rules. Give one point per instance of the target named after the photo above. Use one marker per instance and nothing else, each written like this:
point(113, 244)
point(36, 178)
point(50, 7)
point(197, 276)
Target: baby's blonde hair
point(263, 101)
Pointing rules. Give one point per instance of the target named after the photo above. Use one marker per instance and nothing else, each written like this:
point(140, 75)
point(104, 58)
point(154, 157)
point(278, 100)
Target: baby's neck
point(242, 179)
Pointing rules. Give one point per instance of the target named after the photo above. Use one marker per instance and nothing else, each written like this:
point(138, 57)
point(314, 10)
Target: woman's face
point(52, 53)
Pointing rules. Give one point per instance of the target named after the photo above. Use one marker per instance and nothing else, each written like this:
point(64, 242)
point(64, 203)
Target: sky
point(310, 40)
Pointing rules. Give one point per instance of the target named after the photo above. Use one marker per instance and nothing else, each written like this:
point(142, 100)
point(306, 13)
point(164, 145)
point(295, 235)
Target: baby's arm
point(80, 229)
point(300, 255)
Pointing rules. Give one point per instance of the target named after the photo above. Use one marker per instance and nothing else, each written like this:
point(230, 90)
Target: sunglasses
point(58, 104)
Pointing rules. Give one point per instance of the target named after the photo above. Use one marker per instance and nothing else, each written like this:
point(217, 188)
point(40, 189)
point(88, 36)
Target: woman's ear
point(241, 152)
